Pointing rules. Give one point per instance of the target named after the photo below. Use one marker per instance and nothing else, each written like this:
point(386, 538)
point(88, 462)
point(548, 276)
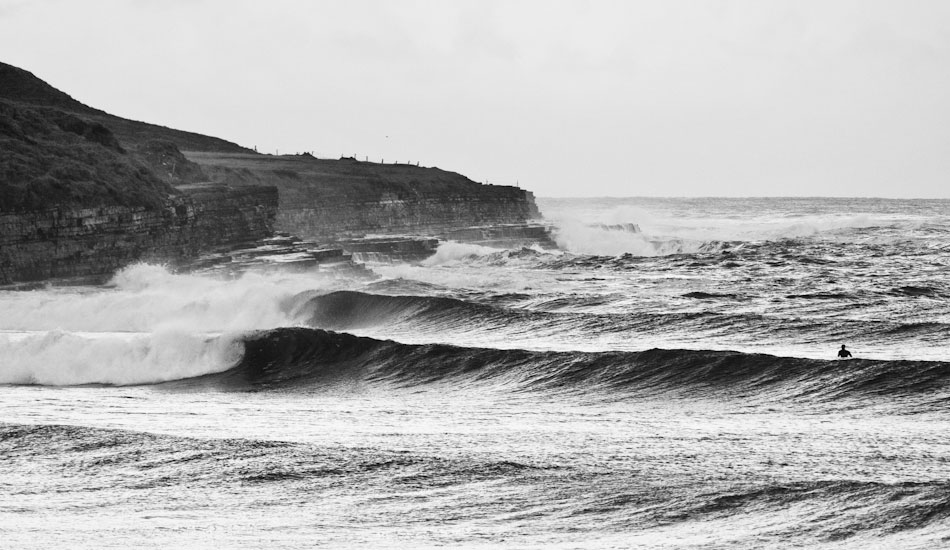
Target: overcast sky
point(582, 98)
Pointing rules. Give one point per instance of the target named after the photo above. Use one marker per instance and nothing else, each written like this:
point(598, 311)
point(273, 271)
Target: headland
point(84, 192)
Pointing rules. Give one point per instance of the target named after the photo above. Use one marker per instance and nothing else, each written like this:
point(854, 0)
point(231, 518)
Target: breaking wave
point(665, 234)
point(313, 359)
point(433, 316)
point(58, 358)
point(148, 325)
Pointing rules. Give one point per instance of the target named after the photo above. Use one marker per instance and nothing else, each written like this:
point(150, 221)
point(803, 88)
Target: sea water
point(672, 387)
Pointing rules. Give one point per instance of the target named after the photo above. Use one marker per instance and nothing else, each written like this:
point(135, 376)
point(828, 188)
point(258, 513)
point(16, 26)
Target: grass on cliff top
point(50, 159)
point(303, 174)
point(23, 87)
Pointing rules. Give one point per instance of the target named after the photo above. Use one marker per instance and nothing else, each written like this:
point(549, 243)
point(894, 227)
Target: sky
point(564, 98)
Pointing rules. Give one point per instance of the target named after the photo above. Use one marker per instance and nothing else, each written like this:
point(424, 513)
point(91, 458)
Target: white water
point(678, 232)
point(146, 326)
point(352, 464)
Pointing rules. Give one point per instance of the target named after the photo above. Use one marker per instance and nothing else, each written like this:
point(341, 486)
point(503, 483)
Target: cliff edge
point(81, 190)
point(345, 198)
point(21, 86)
point(75, 201)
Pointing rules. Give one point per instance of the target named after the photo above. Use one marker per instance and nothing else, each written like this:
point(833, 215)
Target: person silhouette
point(843, 353)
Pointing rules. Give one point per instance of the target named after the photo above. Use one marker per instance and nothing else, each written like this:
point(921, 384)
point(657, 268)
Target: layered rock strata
point(283, 253)
point(90, 243)
point(83, 192)
point(503, 235)
point(331, 200)
point(328, 215)
point(76, 201)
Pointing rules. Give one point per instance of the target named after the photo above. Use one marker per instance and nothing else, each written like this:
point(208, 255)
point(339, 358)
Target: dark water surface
point(672, 388)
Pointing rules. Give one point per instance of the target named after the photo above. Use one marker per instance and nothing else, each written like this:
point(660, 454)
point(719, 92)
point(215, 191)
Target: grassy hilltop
point(22, 86)
point(52, 158)
point(60, 151)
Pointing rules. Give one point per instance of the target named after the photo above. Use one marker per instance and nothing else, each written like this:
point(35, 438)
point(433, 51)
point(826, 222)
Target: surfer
point(843, 353)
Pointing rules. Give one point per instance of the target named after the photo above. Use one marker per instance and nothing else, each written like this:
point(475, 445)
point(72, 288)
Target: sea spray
point(144, 298)
point(582, 238)
point(587, 230)
point(148, 325)
point(58, 358)
point(452, 251)
point(511, 398)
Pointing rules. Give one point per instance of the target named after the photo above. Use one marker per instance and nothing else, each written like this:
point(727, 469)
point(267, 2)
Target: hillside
point(21, 86)
point(83, 191)
point(328, 199)
point(299, 177)
point(303, 174)
point(53, 158)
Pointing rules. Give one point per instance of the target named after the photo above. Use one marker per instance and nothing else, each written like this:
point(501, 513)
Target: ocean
point(667, 379)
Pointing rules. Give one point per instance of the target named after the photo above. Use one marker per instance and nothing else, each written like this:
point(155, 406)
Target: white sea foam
point(67, 358)
point(149, 325)
point(669, 234)
point(452, 252)
point(582, 238)
point(148, 298)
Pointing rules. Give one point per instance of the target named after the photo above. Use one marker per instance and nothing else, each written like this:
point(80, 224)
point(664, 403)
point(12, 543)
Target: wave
point(574, 321)
point(582, 238)
point(347, 310)
point(153, 326)
point(666, 233)
point(146, 326)
point(763, 509)
point(452, 252)
point(711, 295)
point(915, 291)
point(162, 460)
point(313, 359)
point(58, 358)
point(144, 298)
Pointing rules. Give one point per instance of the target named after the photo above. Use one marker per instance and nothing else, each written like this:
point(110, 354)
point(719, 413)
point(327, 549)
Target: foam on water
point(453, 252)
point(58, 358)
point(581, 238)
point(147, 326)
point(531, 414)
point(147, 297)
point(664, 233)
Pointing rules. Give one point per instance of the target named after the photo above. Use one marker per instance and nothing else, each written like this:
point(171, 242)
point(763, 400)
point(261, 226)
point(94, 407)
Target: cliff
point(74, 242)
point(56, 158)
point(23, 87)
point(322, 199)
point(83, 192)
point(75, 202)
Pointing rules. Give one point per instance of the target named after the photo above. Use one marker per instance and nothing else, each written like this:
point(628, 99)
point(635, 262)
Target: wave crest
point(58, 358)
point(311, 359)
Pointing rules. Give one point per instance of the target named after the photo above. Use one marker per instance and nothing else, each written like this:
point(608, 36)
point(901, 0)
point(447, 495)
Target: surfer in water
point(843, 353)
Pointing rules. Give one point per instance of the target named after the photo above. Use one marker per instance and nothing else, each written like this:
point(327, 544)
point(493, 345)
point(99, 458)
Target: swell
point(352, 310)
point(106, 459)
point(118, 464)
point(313, 359)
point(347, 310)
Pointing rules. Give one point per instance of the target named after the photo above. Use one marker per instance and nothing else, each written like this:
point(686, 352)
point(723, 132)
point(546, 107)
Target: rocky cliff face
point(93, 242)
point(22, 86)
point(325, 199)
point(77, 201)
point(323, 215)
point(231, 216)
point(83, 192)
